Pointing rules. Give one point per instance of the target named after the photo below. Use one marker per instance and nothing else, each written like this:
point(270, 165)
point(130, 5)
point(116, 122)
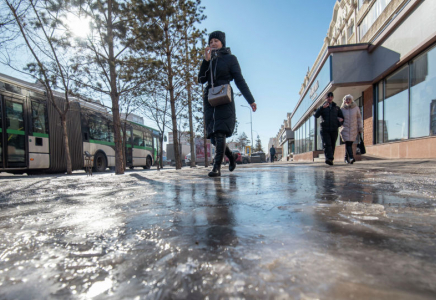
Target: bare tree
point(41, 26)
point(108, 61)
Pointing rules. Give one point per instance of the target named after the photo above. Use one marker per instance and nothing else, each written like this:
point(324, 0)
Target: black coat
point(330, 117)
point(222, 118)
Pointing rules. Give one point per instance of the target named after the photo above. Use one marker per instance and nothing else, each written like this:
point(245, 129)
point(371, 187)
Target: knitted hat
point(218, 35)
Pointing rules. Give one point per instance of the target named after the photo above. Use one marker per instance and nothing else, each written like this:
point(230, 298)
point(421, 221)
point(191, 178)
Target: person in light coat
point(353, 125)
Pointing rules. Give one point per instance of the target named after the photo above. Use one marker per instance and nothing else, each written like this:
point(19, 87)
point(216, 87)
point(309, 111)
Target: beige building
point(383, 52)
point(283, 141)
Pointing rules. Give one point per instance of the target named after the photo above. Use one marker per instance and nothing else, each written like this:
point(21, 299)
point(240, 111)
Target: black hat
point(218, 35)
point(330, 94)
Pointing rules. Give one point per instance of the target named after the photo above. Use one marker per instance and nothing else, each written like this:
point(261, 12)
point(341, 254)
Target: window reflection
point(423, 95)
point(39, 117)
point(395, 106)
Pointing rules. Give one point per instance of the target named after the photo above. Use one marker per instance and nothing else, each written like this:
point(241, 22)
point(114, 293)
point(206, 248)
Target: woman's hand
point(207, 53)
point(340, 119)
point(253, 106)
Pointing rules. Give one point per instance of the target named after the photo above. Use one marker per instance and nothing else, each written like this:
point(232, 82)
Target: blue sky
point(275, 42)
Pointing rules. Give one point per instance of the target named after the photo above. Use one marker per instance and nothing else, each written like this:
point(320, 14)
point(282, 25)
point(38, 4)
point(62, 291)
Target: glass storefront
point(423, 95)
point(406, 106)
point(305, 137)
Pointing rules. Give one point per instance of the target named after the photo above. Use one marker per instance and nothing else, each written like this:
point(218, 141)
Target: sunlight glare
point(79, 27)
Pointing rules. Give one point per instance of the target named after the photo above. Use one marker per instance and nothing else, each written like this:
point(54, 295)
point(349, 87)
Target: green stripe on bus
point(17, 132)
point(102, 142)
point(37, 134)
point(128, 146)
point(144, 148)
point(1, 130)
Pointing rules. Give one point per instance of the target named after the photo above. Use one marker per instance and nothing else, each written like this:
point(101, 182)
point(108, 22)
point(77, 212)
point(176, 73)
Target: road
point(264, 231)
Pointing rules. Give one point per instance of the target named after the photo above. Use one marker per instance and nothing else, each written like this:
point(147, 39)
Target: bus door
point(13, 137)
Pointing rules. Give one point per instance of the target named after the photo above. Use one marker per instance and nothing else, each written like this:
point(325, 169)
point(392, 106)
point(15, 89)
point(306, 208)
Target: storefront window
point(380, 123)
point(311, 136)
point(318, 134)
point(396, 105)
point(423, 95)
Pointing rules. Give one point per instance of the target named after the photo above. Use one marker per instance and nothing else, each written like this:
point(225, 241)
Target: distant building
point(383, 53)
point(283, 141)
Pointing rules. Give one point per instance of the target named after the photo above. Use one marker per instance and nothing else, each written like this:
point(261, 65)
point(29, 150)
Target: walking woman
point(220, 120)
point(352, 126)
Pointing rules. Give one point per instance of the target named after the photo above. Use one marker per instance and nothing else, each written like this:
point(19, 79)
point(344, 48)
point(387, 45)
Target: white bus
point(31, 138)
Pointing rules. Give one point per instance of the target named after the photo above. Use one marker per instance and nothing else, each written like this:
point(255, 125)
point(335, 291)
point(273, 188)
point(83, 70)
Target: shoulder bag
point(360, 146)
point(218, 95)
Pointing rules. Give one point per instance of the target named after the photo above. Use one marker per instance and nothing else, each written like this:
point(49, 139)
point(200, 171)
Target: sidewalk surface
point(265, 231)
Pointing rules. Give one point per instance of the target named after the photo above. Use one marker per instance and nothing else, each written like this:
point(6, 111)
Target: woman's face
point(347, 100)
point(215, 44)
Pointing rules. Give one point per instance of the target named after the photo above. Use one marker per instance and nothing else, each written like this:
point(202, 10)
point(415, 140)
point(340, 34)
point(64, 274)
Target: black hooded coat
point(225, 67)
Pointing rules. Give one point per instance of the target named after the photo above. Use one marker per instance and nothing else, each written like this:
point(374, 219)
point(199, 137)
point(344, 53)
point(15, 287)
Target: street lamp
point(251, 124)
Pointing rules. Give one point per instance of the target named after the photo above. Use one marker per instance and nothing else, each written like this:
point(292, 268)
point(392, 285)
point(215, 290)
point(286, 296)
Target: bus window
point(99, 129)
point(138, 139)
point(39, 118)
point(148, 139)
point(128, 134)
point(110, 132)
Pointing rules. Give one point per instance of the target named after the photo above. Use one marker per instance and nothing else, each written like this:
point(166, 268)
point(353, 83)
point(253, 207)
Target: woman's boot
point(232, 159)
point(349, 153)
point(220, 140)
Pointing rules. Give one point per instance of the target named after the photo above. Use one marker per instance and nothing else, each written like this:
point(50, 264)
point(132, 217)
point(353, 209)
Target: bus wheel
point(100, 162)
point(148, 163)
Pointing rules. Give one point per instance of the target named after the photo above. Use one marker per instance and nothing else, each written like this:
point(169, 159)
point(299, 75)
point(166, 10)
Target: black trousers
point(349, 150)
point(272, 158)
point(329, 143)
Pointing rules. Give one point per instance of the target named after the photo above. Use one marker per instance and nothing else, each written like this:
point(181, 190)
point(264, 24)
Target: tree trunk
point(172, 101)
point(66, 143)
point(114, 95)
point(188, 87)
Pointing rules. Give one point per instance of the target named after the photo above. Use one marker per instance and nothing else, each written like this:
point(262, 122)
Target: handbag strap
point(211, 75)
point(211, 67)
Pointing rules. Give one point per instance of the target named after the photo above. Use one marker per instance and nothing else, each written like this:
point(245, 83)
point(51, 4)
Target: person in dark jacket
point(272, 153)
point(221, 120)
point(332, 119)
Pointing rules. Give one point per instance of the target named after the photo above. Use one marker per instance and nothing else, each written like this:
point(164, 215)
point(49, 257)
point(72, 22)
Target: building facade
point(383, 52)
point(283, 141)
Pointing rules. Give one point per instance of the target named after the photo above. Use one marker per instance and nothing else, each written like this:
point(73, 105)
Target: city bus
point(31, 139)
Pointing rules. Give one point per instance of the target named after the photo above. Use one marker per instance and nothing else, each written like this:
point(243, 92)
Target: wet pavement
point(265, 231)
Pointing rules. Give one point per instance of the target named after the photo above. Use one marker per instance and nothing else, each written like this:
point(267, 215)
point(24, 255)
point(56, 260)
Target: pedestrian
point(352, 126)
point(272, 153)
point(220, 120)
point(332, 119)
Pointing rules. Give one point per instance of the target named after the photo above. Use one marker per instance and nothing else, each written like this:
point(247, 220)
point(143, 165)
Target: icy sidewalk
point(282, 231)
